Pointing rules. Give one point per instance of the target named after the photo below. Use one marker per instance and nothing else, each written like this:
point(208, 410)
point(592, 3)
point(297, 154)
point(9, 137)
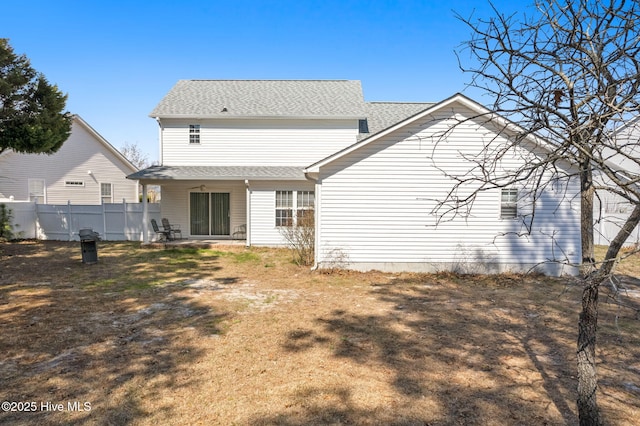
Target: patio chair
point(164, 235)
point(171, 229)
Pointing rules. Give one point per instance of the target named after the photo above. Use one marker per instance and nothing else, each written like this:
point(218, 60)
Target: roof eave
point(257, 117)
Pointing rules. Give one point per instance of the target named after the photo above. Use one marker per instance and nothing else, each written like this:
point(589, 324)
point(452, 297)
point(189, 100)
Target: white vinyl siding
point(256, 142)
point(377, 207)
point(263, 207)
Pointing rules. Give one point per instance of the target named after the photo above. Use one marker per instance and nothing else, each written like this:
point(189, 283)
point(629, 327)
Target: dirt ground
point(230, 335)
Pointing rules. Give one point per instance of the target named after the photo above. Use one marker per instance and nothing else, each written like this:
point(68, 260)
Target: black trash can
point(89, 245)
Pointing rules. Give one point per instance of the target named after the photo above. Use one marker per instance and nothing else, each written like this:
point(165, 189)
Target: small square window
point(194, 133)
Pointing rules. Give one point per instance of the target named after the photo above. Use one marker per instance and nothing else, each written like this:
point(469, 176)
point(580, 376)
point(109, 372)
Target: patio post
point(145, 215)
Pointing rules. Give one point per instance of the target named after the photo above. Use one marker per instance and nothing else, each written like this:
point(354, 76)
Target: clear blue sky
point(117, 59)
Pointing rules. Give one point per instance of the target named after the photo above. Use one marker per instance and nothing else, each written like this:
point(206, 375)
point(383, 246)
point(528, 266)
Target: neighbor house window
point(194, 133)
point(106, 192)
point(509, 203)
point(36, 190)
point(74, 183)
point(291, 206)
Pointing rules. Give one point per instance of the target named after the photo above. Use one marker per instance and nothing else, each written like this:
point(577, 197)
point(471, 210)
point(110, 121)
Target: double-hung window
point(293, 206)
point(284, 208)
point(305, 201)
point(194, 133)
point(509, 203)
point(106, 193)
point(36, 190)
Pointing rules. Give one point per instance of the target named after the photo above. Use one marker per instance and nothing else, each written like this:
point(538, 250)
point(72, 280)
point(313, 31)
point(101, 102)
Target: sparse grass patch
point(153, 336)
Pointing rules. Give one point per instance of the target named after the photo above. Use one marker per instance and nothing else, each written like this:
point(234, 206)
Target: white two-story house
point(247, 158)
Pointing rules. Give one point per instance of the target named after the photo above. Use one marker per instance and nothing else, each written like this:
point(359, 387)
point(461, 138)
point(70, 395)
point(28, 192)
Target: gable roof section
point(97, 136)
point(104, 142)
point(457, 98)
point(340, 99)
point(381, 115)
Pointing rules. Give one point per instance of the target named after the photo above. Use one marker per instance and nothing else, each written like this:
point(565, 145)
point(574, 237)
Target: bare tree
point(140, 159)
point(134, 154)
point(568, 74)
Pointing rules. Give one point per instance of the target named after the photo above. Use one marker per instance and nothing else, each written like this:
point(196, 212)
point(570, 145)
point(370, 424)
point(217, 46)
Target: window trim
point(42, 198)
point(194, 134)
point(296, 204)
point(509, 203)
point(102, 196)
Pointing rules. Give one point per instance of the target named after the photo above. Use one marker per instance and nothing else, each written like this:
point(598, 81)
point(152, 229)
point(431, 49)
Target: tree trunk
point(586, 217)
point(587, 376)
point(588, 323)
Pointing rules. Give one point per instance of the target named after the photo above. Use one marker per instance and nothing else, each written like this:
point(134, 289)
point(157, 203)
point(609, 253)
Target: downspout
point(160, 141)
point(316, 219)
point(248, 230)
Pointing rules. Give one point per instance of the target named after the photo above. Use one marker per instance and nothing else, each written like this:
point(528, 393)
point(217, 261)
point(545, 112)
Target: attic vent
point(363, 126)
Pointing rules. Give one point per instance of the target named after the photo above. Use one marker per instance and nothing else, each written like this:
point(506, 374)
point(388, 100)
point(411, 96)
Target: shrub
point(6, 223)
point(301, 238)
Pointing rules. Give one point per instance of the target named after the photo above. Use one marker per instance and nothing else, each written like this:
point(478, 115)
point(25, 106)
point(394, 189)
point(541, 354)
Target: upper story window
point(194, 133)
point(509, 203)
point(74, 183)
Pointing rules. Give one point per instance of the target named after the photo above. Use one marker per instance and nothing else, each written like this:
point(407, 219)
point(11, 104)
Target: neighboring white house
point(611, 209)
point(85, 170)
point(256, 155)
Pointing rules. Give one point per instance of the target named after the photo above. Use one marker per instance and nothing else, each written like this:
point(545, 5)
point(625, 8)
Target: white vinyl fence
point(114, 222)
point(609, 225)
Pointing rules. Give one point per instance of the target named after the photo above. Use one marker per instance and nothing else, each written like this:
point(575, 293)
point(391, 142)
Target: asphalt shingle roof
point(220, 173)
point(382, 115)
point(263, 98)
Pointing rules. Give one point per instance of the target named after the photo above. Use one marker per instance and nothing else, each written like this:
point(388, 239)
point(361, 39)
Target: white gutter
point(316, 219)
point(160, 141)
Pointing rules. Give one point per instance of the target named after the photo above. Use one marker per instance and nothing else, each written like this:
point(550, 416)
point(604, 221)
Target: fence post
point(104, 221)
point(124, 212)
point(36, 221)
point(69, 218)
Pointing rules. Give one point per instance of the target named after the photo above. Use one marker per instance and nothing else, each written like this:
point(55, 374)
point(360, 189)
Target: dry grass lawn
point(242, 336)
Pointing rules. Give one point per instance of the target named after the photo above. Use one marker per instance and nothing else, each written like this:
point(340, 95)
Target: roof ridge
point(400, 102)
point(268, 79)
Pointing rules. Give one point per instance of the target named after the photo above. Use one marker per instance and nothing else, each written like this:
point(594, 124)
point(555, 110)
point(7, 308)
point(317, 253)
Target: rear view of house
point(248, 158)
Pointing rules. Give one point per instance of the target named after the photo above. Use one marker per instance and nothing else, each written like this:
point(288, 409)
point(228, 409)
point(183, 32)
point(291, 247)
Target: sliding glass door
point(209, 213)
